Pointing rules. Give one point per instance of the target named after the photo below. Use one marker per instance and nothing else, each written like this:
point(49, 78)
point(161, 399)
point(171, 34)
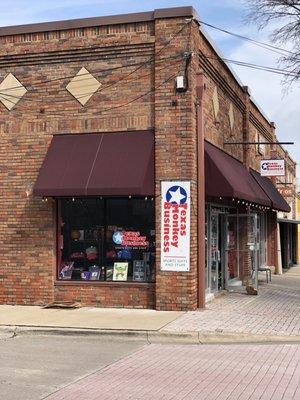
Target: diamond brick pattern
point(83, 86)
point(11, 91)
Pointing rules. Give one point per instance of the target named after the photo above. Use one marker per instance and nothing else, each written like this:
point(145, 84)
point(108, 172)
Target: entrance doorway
point(243, 248)
point(232, 249)
point(217, 278)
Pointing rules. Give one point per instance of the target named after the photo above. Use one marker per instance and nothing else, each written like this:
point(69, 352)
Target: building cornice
point(175, 12)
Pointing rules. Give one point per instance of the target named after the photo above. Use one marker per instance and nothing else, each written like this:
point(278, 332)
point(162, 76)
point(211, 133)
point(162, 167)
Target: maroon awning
point(278, 202)
point(225, 176)
point(113, 164)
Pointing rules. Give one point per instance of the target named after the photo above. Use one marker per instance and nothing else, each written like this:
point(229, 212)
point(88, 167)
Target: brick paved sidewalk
point(191, 372)
point(275, 311)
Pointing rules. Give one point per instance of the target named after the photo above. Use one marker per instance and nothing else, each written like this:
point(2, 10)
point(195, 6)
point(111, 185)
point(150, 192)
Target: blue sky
point(266, 88)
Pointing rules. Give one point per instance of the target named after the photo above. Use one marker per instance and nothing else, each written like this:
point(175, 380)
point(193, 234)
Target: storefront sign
point(175, 226)
point(130, 239)
point(286, 192)
point(272, 168)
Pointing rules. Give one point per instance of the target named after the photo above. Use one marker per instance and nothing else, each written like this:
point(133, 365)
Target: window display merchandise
point(106, 239)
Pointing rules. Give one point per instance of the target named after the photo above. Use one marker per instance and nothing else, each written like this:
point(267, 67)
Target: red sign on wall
point(286, 192)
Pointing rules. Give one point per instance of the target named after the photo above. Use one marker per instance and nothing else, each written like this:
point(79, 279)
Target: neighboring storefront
point(119, 187)
point(288, 222)
point(288, 236)
point(239, 204)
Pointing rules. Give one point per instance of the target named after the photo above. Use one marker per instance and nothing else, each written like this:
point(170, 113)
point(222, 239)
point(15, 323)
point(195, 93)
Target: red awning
point(225, 176)
point(113, 164)
point(278, 202)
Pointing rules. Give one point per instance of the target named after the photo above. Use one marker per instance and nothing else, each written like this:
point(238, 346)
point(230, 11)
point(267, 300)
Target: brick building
point(107, 121)
point(288, 221)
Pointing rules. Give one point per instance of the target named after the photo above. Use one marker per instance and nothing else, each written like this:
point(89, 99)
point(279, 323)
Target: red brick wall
point(27, 228)
point(248, 122)
point(106, 294)
point(175, 160)
point(272, 257)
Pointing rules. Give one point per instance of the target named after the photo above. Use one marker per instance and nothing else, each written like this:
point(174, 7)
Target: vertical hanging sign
point(175, 226)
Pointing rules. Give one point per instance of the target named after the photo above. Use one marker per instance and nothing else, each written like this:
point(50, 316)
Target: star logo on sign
point(117, 237)
point(176, 195)
point(264, 166)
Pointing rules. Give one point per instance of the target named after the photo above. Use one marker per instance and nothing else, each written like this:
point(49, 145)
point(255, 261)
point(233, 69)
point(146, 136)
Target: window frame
point(58, 251)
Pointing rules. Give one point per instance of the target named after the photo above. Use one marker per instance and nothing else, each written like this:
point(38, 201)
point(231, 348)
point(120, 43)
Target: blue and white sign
point(175, 226)
point(272, 168)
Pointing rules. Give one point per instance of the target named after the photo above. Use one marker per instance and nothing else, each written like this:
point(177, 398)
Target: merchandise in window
point(106, 239)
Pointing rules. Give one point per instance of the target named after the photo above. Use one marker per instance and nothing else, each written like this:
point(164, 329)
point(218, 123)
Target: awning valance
point(225, 176)
point(278, 202)
point(113, 164)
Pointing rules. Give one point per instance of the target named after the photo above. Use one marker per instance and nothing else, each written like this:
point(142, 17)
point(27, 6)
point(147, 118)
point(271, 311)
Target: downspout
point(200, 87)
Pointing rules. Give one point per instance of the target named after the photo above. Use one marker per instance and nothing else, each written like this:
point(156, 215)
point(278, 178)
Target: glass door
point(242, 248)
point(262, 239)
point(214, 252)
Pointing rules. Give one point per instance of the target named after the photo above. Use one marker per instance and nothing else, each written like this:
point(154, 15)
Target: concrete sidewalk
point(87, 318)
point(274, 312)
point(272, 316)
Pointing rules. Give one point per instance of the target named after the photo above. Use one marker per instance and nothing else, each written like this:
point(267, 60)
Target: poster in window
point(120, 271)
point(175, 226)
point(66, 270)
point(139, 271)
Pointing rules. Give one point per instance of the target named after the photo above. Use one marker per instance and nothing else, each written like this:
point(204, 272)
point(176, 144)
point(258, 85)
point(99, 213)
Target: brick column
point(175, 157)
point(272, 233)
point(246, 228)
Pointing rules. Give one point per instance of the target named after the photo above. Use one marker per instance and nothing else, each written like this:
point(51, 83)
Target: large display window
point(106, 239)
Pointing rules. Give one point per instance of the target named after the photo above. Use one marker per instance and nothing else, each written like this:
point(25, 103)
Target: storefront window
point(108, 239)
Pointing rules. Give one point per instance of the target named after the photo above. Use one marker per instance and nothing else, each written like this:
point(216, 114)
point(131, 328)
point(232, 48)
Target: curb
point(151, 336)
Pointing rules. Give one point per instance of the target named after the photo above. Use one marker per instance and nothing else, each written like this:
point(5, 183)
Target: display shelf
point(81, 245)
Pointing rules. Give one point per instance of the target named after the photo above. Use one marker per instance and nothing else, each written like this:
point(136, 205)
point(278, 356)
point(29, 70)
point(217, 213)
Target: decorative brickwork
point(136, 63)
point(28, 225)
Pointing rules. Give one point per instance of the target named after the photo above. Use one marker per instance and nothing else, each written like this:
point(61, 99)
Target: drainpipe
point(200, 87)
